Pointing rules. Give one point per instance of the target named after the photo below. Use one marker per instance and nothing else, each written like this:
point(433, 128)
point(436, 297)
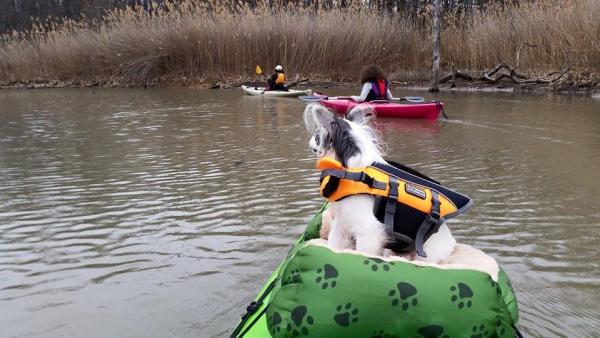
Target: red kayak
point(424, 110)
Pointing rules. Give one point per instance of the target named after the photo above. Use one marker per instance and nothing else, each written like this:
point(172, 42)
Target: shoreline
point(562, 89)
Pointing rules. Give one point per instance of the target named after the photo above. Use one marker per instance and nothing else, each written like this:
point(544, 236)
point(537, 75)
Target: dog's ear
point(361, 115)
point(317, 117)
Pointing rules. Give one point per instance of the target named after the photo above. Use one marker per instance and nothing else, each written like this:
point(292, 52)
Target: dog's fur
point(353, 142)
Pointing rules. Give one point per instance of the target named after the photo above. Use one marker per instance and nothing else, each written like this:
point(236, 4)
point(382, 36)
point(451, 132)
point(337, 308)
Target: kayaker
point(375, 85)
point(277, 80)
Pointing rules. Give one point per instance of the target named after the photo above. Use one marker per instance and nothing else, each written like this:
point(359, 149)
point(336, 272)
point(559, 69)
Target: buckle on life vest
point(366, 179)
point(435, 216)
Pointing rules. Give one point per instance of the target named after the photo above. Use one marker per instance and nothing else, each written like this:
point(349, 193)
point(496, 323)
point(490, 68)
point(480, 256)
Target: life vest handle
point(354, 176)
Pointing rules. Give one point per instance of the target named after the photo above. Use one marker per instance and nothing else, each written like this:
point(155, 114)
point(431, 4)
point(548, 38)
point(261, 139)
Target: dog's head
point(351, 140)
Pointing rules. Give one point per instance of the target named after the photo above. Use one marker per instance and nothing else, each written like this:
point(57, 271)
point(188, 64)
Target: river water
point(160, 213)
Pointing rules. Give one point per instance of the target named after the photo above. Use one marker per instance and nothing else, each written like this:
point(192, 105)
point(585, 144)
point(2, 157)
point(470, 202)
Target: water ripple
point(122, 207)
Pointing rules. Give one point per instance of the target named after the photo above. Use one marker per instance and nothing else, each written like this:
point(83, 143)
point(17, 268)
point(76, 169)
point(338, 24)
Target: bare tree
point(436, 47)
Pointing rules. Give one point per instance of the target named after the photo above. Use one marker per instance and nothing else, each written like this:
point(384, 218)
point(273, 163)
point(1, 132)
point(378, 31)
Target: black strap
point(390, 205)
point(433, 220)
point(251, 309)
point(358, 177)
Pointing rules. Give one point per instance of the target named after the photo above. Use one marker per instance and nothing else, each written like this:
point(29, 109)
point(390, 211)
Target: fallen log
point(297, 82)
point(496, 74)
point(226, 85)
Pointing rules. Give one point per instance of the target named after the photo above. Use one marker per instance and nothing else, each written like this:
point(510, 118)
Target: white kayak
point(250, 90)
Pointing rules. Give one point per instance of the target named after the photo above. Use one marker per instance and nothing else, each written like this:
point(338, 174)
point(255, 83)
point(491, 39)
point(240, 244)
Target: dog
point(355, 143)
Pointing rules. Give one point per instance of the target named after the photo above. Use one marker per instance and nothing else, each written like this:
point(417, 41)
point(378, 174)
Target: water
point(155, 213)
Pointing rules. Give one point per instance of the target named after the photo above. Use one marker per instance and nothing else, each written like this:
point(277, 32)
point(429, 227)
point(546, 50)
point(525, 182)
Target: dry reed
point(208, 41)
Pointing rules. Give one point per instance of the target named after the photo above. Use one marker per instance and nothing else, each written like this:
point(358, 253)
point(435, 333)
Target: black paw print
point(462, 294)
point(500, 331)
point(404, 293)
point(294, 277)
point(346, 315)
point(327, 276)
point(479, 332)
point(380, 334)
point(377, 263)
point(431, 331)
point(298, 316)
point(275, 321)
point(497, 287)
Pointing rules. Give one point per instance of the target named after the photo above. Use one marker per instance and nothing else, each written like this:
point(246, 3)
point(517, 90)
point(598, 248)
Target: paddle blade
point(415, 99)
point(312, 98)
point(258, 70)
point(412, 99)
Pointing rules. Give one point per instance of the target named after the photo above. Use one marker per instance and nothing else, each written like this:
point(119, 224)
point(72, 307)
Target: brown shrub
point(194, 42)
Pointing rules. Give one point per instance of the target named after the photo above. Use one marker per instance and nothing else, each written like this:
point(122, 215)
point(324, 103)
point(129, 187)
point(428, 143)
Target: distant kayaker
point(277, 80)
point(375, 85)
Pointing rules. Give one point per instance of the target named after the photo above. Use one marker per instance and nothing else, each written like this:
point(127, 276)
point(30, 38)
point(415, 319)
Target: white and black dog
point(355, 143)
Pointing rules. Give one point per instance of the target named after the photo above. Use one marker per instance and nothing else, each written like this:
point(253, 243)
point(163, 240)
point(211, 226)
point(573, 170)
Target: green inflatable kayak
point(317, 292)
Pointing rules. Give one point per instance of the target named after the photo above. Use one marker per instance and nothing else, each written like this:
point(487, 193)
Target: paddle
point(260, 72)
point(316, 98)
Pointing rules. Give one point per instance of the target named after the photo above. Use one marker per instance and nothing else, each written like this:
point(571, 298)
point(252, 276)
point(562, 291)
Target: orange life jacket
point(280, 78)
point(411, 206)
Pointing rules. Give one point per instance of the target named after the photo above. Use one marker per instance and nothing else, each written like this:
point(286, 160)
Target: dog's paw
point(431, 331)
point(405, 295)
point(327, 276)
point(346, 315)
point(461, 295)
point(377, 264)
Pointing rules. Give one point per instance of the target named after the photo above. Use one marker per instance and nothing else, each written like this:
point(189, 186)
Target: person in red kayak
point(277, 80)
point(375, 85)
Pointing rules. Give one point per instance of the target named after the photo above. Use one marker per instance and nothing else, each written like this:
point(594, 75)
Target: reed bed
point(199, 42)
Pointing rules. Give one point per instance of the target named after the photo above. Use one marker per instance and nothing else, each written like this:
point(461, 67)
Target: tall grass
point(206, 41)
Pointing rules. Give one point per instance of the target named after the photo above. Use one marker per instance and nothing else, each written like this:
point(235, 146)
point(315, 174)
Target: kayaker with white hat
point(277, 80)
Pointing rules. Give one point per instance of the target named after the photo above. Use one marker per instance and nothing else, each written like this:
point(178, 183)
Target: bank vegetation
point(196, 43)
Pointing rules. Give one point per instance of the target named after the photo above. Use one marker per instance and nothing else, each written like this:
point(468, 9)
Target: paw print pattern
point(377, 264)
point(275, 322)
point(404, 294)
point(479, 332)
point(327, 276)
point(294, 277)
point(380, 334)
point(431, 331)
point(300, 321)
point(496, 286)
point(346, 315)
point(461, 295)
point(500, 331)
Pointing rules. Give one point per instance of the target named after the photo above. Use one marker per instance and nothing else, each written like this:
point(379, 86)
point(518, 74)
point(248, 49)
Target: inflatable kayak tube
point(425, 110)
point(260, 91)
point(318, 292)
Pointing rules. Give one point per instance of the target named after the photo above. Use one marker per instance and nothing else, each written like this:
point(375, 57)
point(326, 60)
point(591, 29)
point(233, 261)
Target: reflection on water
point(161, 212)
